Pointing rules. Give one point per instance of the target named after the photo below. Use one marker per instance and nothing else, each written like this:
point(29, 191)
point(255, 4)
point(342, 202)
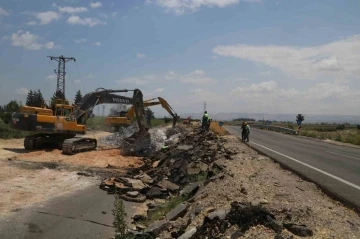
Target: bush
point(340, 127)
point(7, 133)
point(358, 126)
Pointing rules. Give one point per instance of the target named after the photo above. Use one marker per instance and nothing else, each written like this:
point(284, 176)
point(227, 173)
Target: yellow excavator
point(58, 127)
point(125, 118)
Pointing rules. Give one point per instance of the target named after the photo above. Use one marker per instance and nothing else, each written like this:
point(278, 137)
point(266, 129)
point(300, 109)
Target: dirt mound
point(98, 158)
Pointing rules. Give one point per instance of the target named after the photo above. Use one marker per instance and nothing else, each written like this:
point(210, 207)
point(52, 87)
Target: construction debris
point(190, 186)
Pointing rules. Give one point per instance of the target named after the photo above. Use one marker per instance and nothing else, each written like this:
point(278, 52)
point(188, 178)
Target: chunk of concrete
point(191, 189)
point(132, 194)
point(168, 185)
point(157, 227)
point(221, 214)
point(188, 234)
point(155, 192)
point(177, 212)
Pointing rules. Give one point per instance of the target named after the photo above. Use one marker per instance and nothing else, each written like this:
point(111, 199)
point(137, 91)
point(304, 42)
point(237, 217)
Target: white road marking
point(343, 155)
point(307, 165)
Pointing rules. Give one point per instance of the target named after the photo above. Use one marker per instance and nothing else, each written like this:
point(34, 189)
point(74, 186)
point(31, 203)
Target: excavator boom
point(113, 120)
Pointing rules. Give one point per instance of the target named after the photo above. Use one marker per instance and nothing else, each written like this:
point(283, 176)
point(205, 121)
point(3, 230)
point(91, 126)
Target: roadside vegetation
point(345, 133)
point(217, 129)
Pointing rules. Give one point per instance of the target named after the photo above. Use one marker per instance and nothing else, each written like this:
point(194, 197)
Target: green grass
point(351, 136)
point(96, 123)
point(7, 133)
point(157, 122)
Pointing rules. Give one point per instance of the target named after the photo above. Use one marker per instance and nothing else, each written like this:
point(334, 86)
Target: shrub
point(340, 127)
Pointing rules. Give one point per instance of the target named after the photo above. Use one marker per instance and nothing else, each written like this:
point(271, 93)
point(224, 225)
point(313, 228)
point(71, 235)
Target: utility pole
point(60, 84)
point(204, 106)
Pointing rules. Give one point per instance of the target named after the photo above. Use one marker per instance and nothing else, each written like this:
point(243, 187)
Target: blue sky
point(264, 56)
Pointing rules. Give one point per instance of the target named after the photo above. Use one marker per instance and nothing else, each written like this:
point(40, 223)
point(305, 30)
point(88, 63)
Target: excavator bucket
point(138, 144)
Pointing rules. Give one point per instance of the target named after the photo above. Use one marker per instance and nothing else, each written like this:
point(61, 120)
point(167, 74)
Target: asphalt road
point(83, 214)
point(335, 168)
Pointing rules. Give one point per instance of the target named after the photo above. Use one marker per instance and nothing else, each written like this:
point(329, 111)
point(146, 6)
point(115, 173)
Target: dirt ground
point(255, 178)
point(24, 180)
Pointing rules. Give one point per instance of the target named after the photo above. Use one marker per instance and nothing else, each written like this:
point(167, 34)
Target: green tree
point(58, 95)
point(30, 98)
point(8, 109)
point(149, 114)
point(78, 97)
point(39, 99)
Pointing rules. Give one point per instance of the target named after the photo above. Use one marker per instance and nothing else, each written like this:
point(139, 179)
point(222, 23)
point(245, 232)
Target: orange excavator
point(125, 118)
point(59, 127)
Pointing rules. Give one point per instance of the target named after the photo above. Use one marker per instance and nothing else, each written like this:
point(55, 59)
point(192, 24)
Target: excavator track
point(29, 143)
point(45, 141)
point(78, 144)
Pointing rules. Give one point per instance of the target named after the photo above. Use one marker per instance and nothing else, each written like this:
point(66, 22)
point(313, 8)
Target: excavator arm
point(150, 102)
point(105, 96)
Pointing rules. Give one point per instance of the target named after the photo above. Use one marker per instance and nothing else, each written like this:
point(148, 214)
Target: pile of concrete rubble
point(181, 170)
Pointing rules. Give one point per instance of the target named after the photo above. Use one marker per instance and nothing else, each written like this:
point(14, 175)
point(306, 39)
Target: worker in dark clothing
point(243, 131)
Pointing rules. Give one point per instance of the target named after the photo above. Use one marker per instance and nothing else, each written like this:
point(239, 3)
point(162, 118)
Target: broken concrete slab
point(168, 185)
point(299, 230)
point(157, 227)
point(133, 183)
point(177, 212)
point(196, 167)
point(220, 214)
point(132, 194)
point(185, 147)
point(144, 178)
point(188, 234)
point(191, 189)
point(155, 192)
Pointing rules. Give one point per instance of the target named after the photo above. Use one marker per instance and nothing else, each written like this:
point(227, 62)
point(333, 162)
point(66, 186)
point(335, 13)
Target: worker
point(208, 123)
point(247, 131)
point(205, 120)
point(243, 131)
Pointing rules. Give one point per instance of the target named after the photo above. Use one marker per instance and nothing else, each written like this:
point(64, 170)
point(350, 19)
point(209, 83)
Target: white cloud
point(31, 23)
point(269, 97)
point(22, 91)
point(47, 17)
point(265, 73)
point(72, 10)
point(87, 21)
point(77, 81)
point(29, 41)
point(82, 40)
point(97, 43)
point(182, 6)
point(90, 76)
point(196, 77)
point(133, 80)
point(155, 92)
point(51, 77)
point(338, 59)
point(3, 12)
point(95, 4)
point(139, 55)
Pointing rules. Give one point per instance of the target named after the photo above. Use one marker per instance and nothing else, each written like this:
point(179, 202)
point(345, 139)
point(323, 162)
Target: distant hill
point(309, 118)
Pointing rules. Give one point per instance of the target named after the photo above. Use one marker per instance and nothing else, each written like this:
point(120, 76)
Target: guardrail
point(274, 128)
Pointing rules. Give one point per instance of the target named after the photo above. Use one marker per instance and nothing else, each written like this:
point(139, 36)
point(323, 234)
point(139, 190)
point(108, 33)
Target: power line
point(60, 83)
